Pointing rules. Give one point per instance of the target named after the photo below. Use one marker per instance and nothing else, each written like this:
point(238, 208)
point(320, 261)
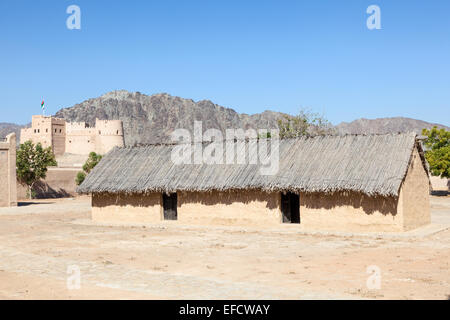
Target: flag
point(42, 105)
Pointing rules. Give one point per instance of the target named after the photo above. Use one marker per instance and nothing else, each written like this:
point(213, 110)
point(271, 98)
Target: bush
point(80, 178)
point(90, 164)
point(438, 151)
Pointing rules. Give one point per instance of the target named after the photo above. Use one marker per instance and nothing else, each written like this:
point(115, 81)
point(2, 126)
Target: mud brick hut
point(342, 183)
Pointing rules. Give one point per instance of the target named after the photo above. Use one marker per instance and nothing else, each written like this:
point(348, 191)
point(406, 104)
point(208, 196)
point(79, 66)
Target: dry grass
point(370, 164)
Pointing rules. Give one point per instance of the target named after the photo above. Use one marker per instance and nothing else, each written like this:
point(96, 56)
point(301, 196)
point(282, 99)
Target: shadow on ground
point(30, 203)
point(440, 193)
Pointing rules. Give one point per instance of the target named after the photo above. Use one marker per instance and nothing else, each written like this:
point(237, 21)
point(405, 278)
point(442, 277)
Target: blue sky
point(246, 55)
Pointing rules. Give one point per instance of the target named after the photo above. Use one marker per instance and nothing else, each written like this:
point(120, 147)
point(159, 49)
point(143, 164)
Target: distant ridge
point(151, 118)
point(7, 128)
point(385, 125)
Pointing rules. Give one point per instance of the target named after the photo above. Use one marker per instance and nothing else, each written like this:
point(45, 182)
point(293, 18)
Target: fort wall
point(80, 138)
point(48, 131)
point(75, 137)
point(109, 135)
point(59, 183)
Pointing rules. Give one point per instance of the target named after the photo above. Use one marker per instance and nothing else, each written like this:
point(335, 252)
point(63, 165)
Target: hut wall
point(350, 212)
point(127, 207)
point(340, 211)
point(415, 195)
point(243, 208)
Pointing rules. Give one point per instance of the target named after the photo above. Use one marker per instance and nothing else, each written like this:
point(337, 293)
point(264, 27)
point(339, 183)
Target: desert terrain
point(41, 242)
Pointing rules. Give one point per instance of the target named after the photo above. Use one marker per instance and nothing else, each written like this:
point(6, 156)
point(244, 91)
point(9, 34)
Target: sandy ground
point(41, 241)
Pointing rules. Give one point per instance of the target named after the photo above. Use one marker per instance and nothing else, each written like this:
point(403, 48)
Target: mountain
point(386, 125)
point(7, 128)
point(151, 119)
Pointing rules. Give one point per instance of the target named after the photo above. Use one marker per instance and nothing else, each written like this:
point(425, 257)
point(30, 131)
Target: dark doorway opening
point(170, 206)
point(290, 207)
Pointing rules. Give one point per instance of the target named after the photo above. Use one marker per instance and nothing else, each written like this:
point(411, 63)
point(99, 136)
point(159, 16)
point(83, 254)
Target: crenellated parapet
point(74, 137)
point(109, 127)
point(48, 131)
point(109, 135)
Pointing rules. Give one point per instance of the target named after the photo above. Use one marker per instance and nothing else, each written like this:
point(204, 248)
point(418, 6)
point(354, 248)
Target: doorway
point(170, 206)
point(290, 207)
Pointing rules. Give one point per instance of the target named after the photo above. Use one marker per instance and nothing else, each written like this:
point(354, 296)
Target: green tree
point(80, 178)
point(32, 163)
point(306, 123)
point(91, 162)
point(438, 151)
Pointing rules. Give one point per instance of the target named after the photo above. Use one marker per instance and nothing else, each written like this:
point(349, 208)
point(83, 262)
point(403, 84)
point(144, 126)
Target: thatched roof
point(370, 164)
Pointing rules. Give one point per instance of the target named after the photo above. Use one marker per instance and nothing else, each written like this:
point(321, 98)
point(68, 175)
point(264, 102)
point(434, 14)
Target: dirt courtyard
point(42, 243)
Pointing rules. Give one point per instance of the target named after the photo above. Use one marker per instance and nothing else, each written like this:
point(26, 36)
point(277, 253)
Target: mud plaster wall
point(244, 208)
point(110, 135)
point(440, 184)
point(349, 211)
point(340, 211)
point(80, 141)
point(127, 207)
point(218, 208)
point(74, 138)
point(106, 135)
point(8, 189)
point(415, 195)
point(59, 183)
point(49, 131)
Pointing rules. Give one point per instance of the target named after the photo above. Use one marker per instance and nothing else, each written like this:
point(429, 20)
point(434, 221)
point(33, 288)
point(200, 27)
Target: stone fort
point(74, 137)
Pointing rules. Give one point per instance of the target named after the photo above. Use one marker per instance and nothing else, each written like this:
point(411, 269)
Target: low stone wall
point(59, 183)
point(440, 184)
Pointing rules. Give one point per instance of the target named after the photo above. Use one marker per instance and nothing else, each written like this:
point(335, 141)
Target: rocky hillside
point(386, 125)
point(150, 119)
point(7, 128)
